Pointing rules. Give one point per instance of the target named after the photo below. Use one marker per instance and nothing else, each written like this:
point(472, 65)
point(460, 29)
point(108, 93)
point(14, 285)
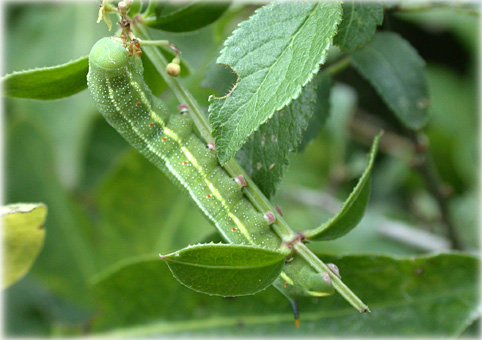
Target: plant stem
point(468, 8)
point(364, 127)
point(151, 8)
point(337, 66)
point(424, 165)
point(154, 43)
point(149, 21)
point(255, 195)
point(404, 146)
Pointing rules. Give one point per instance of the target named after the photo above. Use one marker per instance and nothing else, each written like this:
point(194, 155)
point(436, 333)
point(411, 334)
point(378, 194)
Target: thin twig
point(413, 237)
point(416, 144)
point(426, 168)
point(462, 7)
point(151, 8)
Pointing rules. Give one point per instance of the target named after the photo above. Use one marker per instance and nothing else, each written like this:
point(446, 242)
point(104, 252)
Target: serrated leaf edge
point(301, 86)
point(280, 251)
point(367, 39)
point(298, 91)
point(46, 68)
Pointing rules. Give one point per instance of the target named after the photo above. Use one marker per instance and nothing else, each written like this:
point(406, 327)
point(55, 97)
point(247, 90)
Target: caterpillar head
point(109, 53)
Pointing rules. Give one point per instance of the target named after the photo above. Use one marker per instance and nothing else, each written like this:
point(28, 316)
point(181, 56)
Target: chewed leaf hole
point(221, 78)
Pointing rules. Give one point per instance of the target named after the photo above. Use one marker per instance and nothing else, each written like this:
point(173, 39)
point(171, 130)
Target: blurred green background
point(108, 205)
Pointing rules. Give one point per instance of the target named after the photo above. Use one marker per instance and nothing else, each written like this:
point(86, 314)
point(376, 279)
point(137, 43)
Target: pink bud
point(239, 180)
point(183, 108)
point(210, 146)
point(269, 217)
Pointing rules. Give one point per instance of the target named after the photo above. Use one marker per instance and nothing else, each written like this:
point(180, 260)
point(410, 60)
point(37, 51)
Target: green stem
point(184, 96)
point(337, 66)
point(468, 8)
point(149, 21)
point(154, 43)
point(254, 194)
point(425, 166)
point(151, 8)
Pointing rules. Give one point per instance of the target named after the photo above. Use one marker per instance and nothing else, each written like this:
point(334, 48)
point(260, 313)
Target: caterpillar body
point(116, 83)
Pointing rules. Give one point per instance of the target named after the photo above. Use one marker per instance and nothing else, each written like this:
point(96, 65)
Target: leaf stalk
point(338, 66)
point(151, 8)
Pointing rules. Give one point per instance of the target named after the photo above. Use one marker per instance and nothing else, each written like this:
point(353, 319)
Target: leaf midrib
point(269, 69)
point(190, 264)
point(349, 23)
point(385, 61)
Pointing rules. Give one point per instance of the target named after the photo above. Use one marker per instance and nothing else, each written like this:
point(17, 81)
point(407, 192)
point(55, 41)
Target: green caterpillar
point(116, 83)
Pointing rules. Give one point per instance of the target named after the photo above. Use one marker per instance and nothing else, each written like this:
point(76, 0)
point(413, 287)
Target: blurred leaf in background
point(397, 289)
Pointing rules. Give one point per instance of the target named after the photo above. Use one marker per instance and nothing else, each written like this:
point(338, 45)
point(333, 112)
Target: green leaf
point(398, 73)
point(225, 269)
point(464, 213)
point(49, 82)
point(187, 16)
point(274, 54)
point(322, 110)
point(359, 23)
point(265, 154)
point(423, 296)
point(23, 234)
point(453, 99)
point(353, 209)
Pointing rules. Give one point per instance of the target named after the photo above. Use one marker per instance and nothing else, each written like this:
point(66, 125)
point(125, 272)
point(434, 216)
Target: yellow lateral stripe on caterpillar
point(171, 134)
point(124, 94)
